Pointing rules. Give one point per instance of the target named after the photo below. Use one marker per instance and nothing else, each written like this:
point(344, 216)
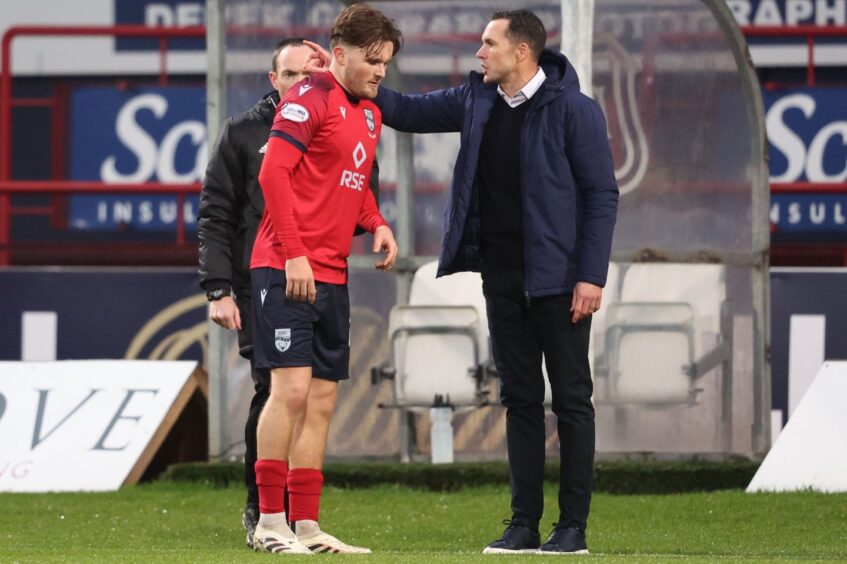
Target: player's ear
point(339, 53)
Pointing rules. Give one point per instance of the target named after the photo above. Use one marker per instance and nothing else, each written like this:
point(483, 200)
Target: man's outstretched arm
point(439, 111)
point(434, 112)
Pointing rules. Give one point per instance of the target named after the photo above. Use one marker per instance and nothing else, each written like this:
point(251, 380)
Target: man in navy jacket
point(532, 207)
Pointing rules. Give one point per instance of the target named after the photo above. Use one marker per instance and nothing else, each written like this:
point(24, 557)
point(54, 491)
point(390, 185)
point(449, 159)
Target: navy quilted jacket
point(569, 193)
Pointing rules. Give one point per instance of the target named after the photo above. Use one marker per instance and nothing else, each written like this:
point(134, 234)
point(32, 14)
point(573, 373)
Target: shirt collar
point(529, 89)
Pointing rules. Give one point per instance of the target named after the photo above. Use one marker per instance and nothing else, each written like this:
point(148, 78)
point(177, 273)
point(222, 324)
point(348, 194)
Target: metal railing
point(57, 187)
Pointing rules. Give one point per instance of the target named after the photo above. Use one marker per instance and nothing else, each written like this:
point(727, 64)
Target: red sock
point(271, 477)
point(304, 493)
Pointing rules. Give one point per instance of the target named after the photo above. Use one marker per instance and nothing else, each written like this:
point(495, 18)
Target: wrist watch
point(215, 295)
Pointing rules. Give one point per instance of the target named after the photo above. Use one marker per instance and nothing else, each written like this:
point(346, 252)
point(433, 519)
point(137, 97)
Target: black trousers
point(521, 331)
point(261, 381)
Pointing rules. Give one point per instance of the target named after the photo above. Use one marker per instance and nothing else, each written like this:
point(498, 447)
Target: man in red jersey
point(315, 180)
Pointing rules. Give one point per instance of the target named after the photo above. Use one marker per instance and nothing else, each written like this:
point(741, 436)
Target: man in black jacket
point(231, 207)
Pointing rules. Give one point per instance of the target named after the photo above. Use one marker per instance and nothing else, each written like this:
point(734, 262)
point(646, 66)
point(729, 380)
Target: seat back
point(463, 288)
point(666, 317)
point(650, 352)
point(435, 352)
point(703, 286)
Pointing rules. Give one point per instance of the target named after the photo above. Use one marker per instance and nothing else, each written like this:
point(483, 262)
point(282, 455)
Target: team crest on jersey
point(369, 119)
point(295, 112)
point(616, 91)
point(282, 339)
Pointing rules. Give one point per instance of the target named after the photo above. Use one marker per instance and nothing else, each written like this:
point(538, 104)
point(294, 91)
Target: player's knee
point(322, 397)
point(322, 405)
point(293, 396)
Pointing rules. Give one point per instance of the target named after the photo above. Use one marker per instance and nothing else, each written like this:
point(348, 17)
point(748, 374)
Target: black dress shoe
point(565, 540)
point(516, 538)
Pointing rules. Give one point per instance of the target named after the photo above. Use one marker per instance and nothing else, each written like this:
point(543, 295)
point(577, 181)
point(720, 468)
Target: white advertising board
point(811, 451)
point(86, 425)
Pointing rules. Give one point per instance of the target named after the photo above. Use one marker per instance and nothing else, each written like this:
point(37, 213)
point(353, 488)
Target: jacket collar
point(528, 91)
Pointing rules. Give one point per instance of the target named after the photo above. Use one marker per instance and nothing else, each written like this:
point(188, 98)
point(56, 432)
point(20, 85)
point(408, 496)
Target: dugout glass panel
point(687, 134)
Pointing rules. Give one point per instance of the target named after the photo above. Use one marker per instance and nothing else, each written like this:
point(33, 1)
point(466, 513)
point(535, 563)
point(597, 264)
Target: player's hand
point(586, 300)
point(225, 313)
point(299, 280)
point(384, 241)
point(319, 60)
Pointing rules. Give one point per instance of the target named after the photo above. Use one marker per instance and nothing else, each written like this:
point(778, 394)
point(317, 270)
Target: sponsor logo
point(359, 155)
point(144, 135)
point(343, 111)
point(807, 130)
point(305, 88)
point(262, 295)
point(295, 112)
point(352, 180)
point(154, 157)
point(355, 180)
point(282, 339)
point(805, 213)
point(788, 12)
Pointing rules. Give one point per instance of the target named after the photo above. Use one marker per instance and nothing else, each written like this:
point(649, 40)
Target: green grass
point(166, 522)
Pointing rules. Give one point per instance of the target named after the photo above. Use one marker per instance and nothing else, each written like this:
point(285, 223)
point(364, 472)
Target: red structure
point(175, 252)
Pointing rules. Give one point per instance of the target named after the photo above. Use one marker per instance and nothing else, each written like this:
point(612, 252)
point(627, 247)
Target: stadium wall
point(162, 316)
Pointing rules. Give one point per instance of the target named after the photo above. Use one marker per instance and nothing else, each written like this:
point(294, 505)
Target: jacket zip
point(529, 115)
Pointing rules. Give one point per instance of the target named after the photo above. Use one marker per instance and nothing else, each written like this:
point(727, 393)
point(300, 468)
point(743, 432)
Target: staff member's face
point(363, 71)
point(290, 68)
point(497, 55)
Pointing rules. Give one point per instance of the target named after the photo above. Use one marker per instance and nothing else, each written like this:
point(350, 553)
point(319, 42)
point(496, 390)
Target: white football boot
point(279, 539)
point(320, 542)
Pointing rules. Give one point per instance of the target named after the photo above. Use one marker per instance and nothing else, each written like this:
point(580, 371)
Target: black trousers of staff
point(521, 331)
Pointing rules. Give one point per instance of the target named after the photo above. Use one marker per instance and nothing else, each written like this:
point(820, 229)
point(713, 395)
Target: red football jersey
point(315, 177)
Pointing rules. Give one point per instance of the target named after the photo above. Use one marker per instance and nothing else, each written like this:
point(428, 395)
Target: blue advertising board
point(809, 213)
point(805, 291)
point(105, 313)
point(141, 135)
point(807, 131)
point(807, 134)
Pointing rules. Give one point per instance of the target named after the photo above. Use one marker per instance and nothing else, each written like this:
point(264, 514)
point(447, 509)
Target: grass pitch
point(167, 522)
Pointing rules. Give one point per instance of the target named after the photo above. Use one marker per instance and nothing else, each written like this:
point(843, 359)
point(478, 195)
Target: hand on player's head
point(319, 60)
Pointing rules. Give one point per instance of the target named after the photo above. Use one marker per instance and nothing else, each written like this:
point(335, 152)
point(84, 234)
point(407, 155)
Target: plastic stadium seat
point(668, 328)
point(439, 343)
point(435, 354)
point(464, 288)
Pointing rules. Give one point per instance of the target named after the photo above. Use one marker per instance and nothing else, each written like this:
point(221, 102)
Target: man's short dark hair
point(524, 26)
point(282, 45)
point(361, 26)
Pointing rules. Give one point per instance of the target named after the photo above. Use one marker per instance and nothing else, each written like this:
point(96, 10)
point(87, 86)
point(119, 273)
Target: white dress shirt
point(525, 93)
